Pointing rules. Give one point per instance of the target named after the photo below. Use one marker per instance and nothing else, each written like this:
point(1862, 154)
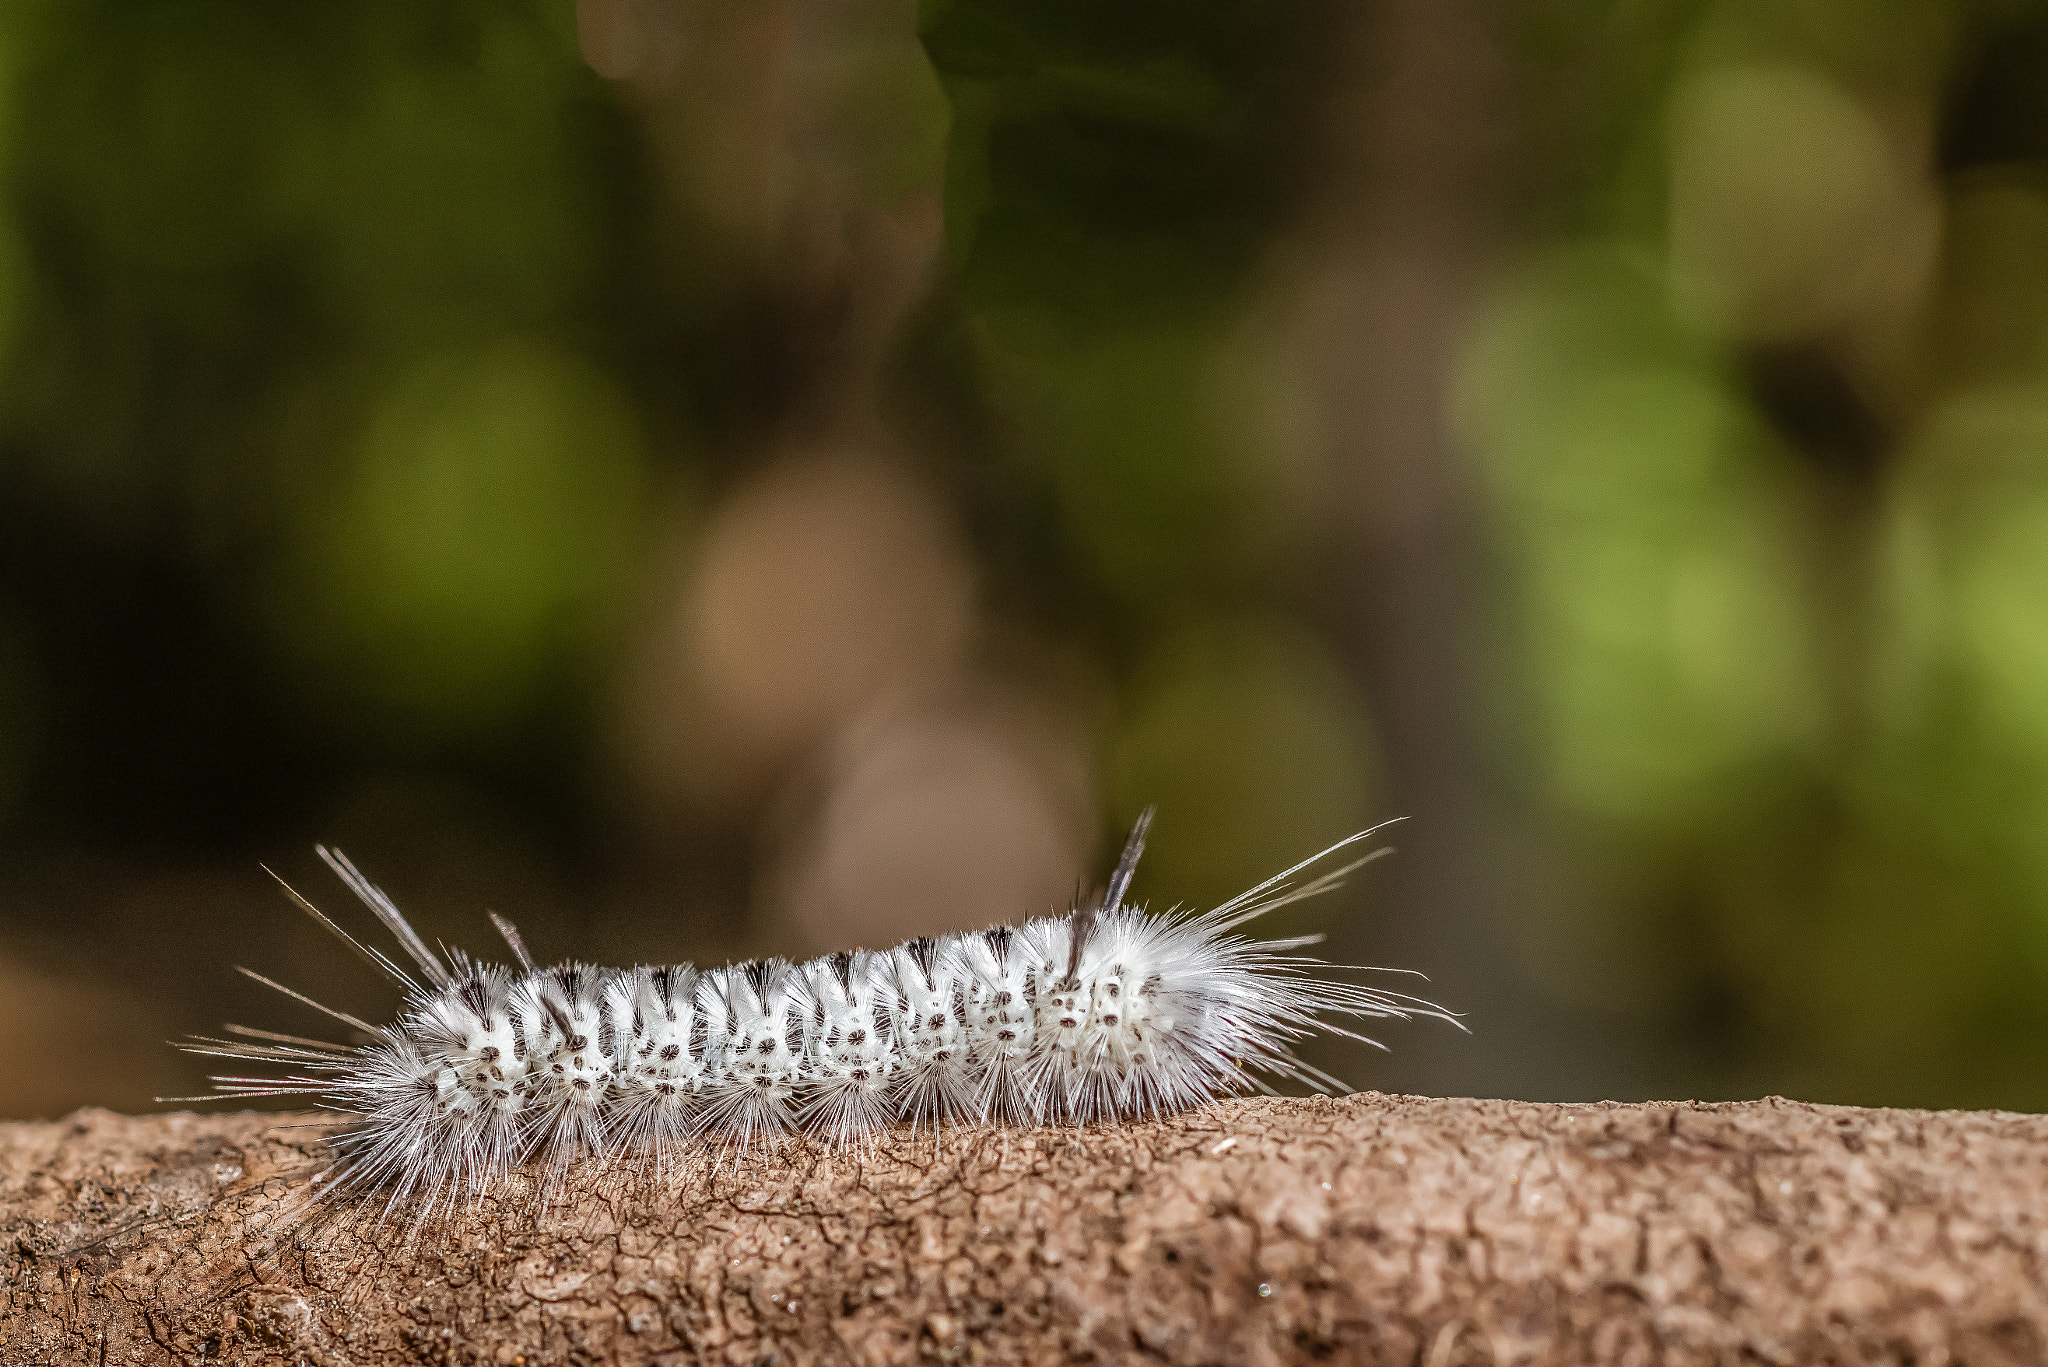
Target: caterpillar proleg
point(1106, 1013)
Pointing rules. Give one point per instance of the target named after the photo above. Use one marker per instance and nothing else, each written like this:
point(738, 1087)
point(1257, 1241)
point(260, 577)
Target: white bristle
point(1107, 1013)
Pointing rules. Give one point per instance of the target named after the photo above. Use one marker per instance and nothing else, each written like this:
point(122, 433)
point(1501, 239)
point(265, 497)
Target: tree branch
point(1368, 1229)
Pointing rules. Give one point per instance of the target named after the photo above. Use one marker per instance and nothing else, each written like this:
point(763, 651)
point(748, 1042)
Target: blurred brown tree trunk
point(1401, 238)
point(1369, 1229)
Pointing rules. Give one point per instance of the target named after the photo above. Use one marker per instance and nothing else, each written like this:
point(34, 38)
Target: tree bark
point(1372, 1229)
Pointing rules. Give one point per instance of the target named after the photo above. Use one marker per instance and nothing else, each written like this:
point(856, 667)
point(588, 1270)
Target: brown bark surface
point(1369, 1229)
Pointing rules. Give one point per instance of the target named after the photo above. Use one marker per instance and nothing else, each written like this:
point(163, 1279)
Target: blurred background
point(717, 477)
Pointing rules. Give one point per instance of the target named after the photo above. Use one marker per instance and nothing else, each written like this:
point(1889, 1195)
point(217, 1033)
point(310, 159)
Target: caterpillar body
point(1106, 1013)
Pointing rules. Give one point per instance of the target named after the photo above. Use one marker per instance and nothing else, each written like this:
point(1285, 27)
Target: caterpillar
point(1104, 1014)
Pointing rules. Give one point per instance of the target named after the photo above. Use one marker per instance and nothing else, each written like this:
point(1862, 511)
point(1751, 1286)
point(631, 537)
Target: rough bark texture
point(1369, 1229)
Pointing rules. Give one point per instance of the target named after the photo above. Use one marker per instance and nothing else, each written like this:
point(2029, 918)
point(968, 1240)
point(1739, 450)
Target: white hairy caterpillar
point(1103, 1014)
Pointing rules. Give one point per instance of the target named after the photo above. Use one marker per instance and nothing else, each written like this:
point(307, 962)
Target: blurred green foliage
point(1119, 166)
point(1652, 562)
point(1755, 413)
point(1114, 178)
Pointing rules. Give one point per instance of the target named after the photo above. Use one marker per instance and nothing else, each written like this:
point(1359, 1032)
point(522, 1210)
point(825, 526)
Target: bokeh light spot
point(1783, 193)
point(480, 537)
